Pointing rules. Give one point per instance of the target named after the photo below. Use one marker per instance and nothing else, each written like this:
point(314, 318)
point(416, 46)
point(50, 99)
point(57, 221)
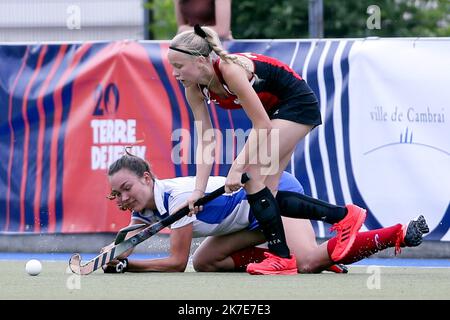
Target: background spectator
point(212, 13)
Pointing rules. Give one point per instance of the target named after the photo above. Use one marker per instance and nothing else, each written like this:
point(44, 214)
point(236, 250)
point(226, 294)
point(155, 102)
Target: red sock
point(245, 256)
point(368, 243)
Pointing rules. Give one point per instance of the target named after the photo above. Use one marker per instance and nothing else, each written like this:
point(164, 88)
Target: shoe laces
point(339, 226)
point(272, 260)
point(269, 256)
point(336, 227)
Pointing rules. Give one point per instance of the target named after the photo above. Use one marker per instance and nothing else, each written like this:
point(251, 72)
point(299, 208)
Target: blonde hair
point(192, 43)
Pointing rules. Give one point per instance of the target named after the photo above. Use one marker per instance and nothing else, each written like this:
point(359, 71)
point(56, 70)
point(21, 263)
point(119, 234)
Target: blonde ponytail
point(201, 42)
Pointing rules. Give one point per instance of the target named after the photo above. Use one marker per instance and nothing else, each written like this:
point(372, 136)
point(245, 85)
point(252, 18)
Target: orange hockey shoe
point(273, 265)
point(346, 230)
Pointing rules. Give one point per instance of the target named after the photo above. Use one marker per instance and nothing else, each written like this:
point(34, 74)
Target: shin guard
point(265, 209)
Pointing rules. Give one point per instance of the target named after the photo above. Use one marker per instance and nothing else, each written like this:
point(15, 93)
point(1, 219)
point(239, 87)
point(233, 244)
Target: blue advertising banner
point(68, 110)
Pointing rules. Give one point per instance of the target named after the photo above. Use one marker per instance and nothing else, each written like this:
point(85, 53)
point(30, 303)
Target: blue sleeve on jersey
point(289, 182)
point(137, 216)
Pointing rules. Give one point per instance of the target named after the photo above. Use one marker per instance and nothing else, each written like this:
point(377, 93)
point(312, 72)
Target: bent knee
point(203, 266)
point(307, 267)
point(304, 268)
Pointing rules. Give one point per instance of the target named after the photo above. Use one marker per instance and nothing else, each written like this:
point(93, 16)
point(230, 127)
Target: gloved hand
point(120, 267)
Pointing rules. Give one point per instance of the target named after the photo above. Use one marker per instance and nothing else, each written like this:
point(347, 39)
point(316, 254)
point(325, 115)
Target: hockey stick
point(121, 235)
point(105, 257)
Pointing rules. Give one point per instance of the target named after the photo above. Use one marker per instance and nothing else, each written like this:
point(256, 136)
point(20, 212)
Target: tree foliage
point(270, 19)
point(163, 23)
point(342, 19)
point(398, 18)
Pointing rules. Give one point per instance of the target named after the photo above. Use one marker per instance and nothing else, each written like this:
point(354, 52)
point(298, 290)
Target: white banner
point(385, 140)
point(399, 129)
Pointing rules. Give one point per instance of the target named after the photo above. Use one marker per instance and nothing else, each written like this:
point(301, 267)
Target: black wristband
point(120, 267)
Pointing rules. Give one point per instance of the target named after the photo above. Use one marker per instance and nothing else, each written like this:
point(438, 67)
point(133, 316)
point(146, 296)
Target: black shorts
point(303, 110)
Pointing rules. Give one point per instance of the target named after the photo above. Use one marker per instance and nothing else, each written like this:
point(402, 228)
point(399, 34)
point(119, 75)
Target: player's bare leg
point(214, 253)
point(290, 133)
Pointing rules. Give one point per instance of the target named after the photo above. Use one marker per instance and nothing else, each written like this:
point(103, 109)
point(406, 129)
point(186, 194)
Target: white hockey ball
point(33, 267)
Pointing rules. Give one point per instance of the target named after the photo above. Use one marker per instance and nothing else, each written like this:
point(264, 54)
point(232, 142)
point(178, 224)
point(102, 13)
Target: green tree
point(399, 18)
point(266, 19)
point(269, 19)
point(163, 23)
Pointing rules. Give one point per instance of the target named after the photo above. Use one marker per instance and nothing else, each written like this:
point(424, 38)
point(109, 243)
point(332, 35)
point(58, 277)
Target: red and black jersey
point(275, 83)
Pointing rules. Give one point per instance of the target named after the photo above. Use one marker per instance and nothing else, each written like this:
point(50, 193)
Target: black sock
point(297, 205)
point(265, 209)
